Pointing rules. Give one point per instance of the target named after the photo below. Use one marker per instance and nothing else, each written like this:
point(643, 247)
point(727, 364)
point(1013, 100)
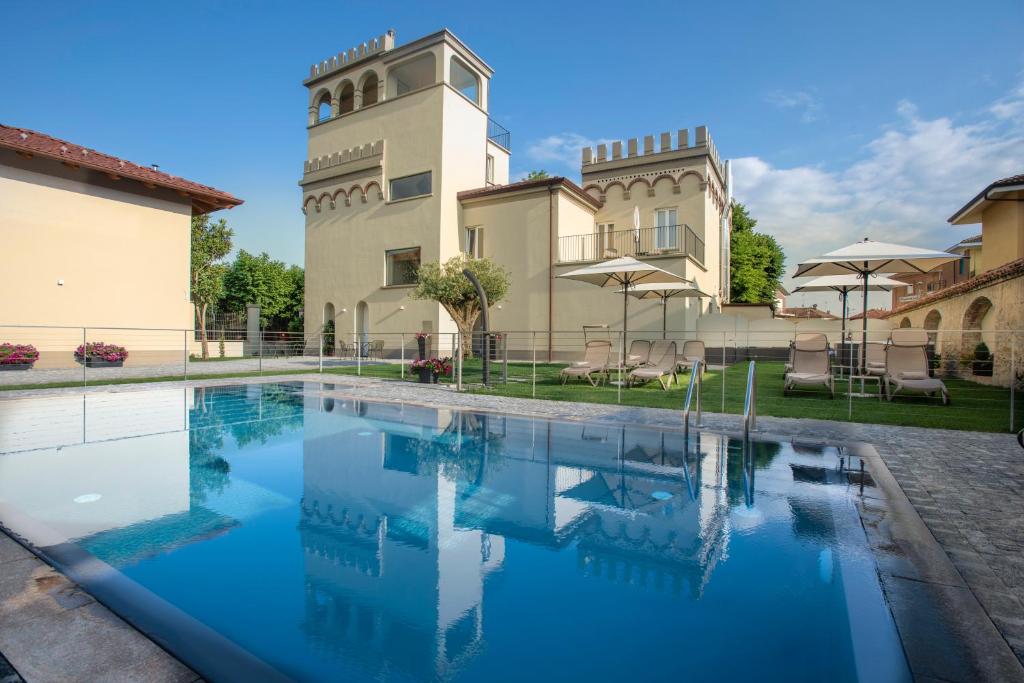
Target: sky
point(843, 120)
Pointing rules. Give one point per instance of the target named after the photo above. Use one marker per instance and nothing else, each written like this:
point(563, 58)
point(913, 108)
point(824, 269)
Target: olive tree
point(446, 284)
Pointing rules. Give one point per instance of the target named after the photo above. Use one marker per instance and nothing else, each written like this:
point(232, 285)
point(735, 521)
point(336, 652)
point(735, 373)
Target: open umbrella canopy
point(625, 271)
point(868, 256)
point(657, 290)
point(848, 283)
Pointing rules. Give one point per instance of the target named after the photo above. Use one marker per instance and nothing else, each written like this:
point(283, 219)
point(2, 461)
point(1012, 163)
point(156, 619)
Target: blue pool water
point(332, 539)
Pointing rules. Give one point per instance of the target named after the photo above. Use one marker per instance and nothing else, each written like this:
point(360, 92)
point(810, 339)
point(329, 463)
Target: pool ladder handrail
point(696, 379)
point(750, 402)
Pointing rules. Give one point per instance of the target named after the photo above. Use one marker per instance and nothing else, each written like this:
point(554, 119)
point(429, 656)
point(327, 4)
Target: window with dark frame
point(409, 186)
point(402, 265)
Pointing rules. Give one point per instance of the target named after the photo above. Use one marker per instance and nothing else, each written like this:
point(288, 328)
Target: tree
point(757, 261)
point(291, 316)
point(447, 285)
point(537, 175)
point(262, 281)
point(211, 242)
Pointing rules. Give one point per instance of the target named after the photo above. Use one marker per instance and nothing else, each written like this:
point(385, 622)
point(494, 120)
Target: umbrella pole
point(864, 331)
point(842, 337)
point(664, 316)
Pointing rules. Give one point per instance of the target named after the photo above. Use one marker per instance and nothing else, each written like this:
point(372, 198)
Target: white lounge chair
point(639, 354)
point(812, 364)
point(906, 365)
point(693, 351)
point(662, 366)
point(593, 367)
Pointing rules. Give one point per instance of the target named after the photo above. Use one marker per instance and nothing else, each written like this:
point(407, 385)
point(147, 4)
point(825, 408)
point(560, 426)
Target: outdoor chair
point(693, 351)
point(639, 354)
point(906, 365)
point(376, 349)
point(788, 367)
point(812, 364)
point(593, 367)
point(875, 358)
point(343, 349)
point(662, 366)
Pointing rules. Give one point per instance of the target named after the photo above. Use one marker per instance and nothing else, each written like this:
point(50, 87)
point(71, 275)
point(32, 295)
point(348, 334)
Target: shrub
point(981, 352)
point(18, 354)
point(100, 351)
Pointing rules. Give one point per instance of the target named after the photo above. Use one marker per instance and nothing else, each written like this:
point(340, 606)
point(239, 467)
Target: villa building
point(990, 302)
point(920, 285)
point(93, 240)
point(405, 166)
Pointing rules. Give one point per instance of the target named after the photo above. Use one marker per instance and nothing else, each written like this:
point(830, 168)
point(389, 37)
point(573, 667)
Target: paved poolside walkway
point(968, 487)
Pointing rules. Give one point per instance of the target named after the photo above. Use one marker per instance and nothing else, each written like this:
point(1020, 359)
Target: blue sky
point(844, 119)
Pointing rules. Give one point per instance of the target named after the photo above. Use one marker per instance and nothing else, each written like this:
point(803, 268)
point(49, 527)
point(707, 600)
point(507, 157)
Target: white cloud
point(561, 151)
point(807, 104)
point(907, 182)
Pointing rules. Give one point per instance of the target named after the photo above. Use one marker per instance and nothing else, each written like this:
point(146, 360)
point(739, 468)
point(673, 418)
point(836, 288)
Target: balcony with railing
point(498, 134)
point(663, 240)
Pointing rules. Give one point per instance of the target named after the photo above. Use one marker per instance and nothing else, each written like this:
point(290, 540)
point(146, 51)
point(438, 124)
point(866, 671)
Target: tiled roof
point(530, 184)
point(1002, 182)
point(806, 312)
point(1006, 271)
point(31, 143)
point(873, 314)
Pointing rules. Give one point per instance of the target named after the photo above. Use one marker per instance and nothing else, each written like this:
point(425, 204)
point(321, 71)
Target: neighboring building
point(405, 166)
point(989, 305)
point(810, 312)
point(780, 298)
point(873, 314)
point(90, 239)
point(922, 284)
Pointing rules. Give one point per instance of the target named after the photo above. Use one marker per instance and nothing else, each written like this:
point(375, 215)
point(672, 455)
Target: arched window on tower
point(346, 98)
point(369, 89)
point(323, 107)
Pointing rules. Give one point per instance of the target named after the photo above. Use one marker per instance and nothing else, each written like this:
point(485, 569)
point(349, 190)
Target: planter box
point(100, 363)
point(6, 367)
point(982, 368)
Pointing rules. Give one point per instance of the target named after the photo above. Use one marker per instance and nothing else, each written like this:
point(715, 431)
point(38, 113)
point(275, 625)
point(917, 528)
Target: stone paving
point(968, 487)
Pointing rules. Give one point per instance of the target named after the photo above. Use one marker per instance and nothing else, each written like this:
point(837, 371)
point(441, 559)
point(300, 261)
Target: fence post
point(1013, 382)
point(723, 372)
point(320, 352)
point(85, 355)
point(185, 362)
point(504, 350)
point(259, 349)
point(457, 357)
point(403, 355)
point(358, 346)
point(534, 381)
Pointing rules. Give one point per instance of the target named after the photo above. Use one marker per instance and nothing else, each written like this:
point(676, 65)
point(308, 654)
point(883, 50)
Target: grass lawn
point(974, 407)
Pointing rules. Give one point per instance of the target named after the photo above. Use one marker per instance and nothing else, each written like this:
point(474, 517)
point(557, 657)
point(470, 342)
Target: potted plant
point(421, 344)
point(441, 367)
point(424, 369)
point(100, 355)
point(982, 363)
point(17, 356)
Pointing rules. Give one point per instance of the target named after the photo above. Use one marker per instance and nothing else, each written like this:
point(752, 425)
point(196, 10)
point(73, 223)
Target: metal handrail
point(750, 402)
point(696, 379)
point(680, 240)
point(499, 134)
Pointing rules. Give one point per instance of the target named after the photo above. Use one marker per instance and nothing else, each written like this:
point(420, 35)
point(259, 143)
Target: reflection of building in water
point(402, 523)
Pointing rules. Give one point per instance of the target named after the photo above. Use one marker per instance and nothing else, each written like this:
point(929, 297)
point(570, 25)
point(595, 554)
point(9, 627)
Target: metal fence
point(985, 391)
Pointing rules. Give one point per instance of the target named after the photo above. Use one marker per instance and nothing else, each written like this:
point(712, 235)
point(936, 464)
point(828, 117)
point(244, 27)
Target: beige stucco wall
point(123, 259)
point(1002, 230)
point(1000, 328)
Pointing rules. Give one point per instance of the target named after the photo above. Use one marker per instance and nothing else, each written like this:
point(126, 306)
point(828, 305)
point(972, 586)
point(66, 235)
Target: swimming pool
point(268, 530)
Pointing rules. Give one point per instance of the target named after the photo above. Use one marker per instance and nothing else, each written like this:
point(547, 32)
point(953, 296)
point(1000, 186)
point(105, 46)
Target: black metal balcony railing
point(498, 134)
point(678, 240)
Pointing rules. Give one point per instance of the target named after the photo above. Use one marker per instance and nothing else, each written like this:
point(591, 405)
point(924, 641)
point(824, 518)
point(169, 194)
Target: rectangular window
point(489, 170)
point(666, 230)
point(402, 265)
point(475, 242)
point(411, 186)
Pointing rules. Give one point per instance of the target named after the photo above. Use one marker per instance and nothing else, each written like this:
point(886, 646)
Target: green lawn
point(974, 406)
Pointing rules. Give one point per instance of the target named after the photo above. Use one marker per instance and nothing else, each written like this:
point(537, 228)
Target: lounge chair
point(593, 367)
point(662, 366)
point(875, 359)
point(693, 351)
point(906, 365)
point(639, 354)
point(788, 367)
point(812, 364)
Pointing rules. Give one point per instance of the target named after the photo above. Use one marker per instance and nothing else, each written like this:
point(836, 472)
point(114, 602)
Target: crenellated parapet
point(350, 174)
point(701, 143)
point(355, 54)
point(370, 151)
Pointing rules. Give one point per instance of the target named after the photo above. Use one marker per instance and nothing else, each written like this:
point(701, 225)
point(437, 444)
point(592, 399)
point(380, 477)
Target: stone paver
point(967, 487)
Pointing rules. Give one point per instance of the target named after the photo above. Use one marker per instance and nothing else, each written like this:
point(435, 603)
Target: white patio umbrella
point(866, 258)
point(654, 290)
point(844, 284)
point(625, 272)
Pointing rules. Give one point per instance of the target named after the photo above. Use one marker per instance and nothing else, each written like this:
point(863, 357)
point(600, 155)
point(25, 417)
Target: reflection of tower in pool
point(390, 580)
